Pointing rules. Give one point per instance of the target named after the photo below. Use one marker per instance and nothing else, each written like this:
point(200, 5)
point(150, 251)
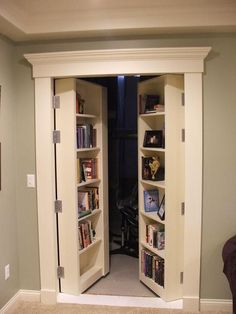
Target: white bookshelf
point(85, 266)
point(170, 89)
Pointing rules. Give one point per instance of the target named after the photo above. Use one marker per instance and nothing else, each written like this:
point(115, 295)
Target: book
point(151, 200)
point(86, 169)
point(79, 104)
point(151, 169)
point(86, 136)
point(83, 201)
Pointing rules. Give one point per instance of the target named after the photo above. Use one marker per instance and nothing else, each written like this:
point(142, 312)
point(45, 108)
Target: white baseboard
point(216, 305)
point(111, 300)
point(35, 296)
point(21, 295)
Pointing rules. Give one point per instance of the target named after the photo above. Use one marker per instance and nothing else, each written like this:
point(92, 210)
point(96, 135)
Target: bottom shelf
point(159, 290)
point(89, 277)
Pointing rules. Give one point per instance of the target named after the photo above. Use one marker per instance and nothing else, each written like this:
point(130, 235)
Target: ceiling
point(25, 20)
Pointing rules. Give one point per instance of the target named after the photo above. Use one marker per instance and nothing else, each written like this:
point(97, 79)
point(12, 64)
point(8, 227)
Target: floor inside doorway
point(123, 279)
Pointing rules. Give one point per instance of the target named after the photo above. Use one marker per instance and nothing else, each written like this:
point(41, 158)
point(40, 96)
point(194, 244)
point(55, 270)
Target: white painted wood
point(193, 185)
point(46, 188)
point(216, 305)
point(78, 265)
point(67, 184)
point(170, 89)
point(144, 61)
point(151, 302)
point(118, 61)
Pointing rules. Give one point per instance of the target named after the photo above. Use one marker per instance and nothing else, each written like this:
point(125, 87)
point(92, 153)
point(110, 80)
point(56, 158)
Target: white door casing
point(149, 61)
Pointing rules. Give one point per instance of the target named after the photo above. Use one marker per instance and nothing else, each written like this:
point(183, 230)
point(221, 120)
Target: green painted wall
point(219, 133)
point(8, 213)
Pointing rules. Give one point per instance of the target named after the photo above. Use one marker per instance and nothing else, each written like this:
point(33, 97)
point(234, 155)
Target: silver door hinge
point(181, 277)
point(183, 100)
point(183, 135)
point(56, 102)
point(56, 137)
point(60, 272)
point(58, 206)
point(182, 208)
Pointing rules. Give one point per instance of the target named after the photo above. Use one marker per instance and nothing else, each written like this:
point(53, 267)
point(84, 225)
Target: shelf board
point(87, 149)
point(158, 184)
point(152, 114)
point(88, 182)
point(85, 115)
point(160, 253)
point(94, 243)
point(153, 149)
point(89, 277)
point(159, 290)
point(94, 212)
point(153, 216)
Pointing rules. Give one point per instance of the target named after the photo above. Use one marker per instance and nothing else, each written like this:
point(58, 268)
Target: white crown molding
point(70, 63)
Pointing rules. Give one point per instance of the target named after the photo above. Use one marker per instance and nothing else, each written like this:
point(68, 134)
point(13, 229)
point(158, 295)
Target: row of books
point(155, 236)
point(150, 103)
point(86, 234)
point(153, 266)
point(86, 136)
point(88, 200)
point(152, 169)
point(86, 169)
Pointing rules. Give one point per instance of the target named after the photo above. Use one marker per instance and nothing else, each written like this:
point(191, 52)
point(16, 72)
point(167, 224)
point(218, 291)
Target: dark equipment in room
point(229, 258)
point(123, 187)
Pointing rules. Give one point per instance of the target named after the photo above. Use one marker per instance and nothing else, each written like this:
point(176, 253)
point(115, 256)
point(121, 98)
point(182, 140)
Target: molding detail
point(177, 60)
point(216, 305)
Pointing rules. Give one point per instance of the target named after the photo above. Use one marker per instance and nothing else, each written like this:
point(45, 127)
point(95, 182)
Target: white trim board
point(216, 305)
point(148, 302)
point(185, 60)
point(34, 296)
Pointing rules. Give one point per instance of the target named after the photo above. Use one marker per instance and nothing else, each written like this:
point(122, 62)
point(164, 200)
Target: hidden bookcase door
point(81, 181)
point(161, 184)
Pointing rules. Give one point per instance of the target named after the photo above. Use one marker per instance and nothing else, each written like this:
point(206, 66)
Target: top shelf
point(85, 115)
point(152, 114)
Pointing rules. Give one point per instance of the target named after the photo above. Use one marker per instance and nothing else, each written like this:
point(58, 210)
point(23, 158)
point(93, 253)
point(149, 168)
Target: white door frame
point(47, 66)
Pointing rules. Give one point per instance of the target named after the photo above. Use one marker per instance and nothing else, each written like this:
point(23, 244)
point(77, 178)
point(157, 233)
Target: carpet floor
point(123, 279)
point(37, 308)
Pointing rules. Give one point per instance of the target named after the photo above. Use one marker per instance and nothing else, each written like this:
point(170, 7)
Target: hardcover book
point(151, 200)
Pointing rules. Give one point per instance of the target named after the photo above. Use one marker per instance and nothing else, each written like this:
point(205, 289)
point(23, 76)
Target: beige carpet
point(123, 279)
point(37, 308)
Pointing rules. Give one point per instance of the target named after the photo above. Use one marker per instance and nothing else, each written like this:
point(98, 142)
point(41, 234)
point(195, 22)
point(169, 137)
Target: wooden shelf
point(152, 114)
point(170, 89)
point(93, 213)
point(87, 149)
point(153, 216)
point(89, 277)
point(153, 149)
point(159, 290)
point(88, 182)
point(94, 243)
point(158, 184)
point(160, 253)
point(85, 115)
